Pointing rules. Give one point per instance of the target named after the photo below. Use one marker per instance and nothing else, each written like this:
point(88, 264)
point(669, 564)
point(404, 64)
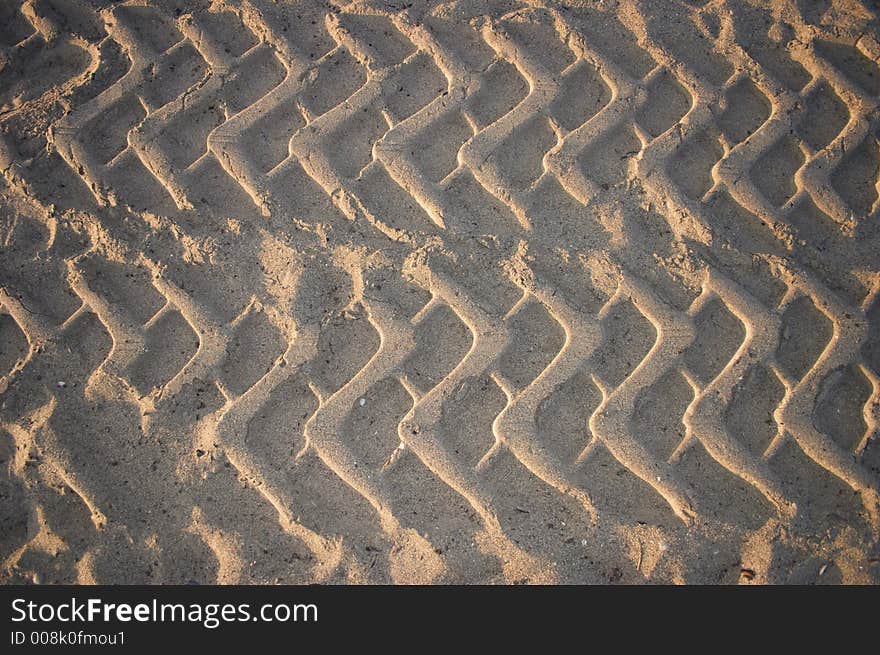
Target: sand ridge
point(444, 292)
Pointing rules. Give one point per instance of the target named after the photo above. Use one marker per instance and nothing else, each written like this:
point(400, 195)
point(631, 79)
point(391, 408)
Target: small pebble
point(362, 402)
point(61, 384)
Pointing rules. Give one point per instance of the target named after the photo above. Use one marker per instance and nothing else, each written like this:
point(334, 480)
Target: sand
point(439, 292)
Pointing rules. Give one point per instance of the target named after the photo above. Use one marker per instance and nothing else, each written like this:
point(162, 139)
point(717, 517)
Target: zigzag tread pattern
point(521, 292)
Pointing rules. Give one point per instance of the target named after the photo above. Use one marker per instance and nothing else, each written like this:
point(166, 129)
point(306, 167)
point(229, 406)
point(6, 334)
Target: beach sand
point(439, 292)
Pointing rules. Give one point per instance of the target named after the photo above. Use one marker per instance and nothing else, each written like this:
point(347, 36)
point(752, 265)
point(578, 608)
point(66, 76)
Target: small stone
point(362, 402)
point(61, 384)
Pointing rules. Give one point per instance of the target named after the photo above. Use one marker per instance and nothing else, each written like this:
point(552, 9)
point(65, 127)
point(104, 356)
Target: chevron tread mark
point(464, 292)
